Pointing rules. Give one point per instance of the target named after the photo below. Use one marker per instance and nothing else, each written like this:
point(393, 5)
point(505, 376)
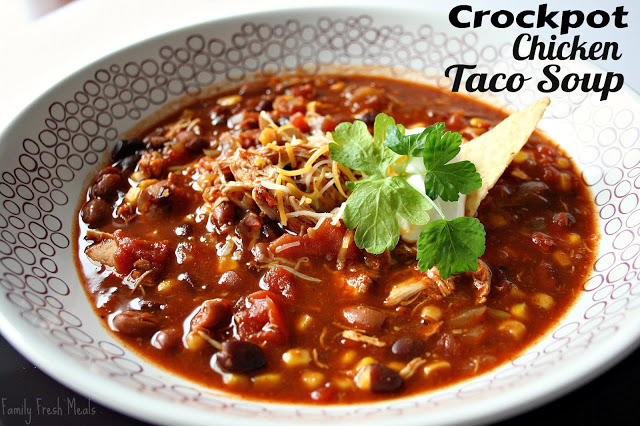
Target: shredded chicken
point(430, 285)
point(482, 282)
point(412, 367)
point(363, 338)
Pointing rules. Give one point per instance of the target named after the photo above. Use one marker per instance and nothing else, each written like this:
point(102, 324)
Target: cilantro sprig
point(382, 195)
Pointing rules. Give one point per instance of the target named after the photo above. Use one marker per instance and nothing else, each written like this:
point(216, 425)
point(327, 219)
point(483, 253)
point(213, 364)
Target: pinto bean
point(191, 141)
point(224, 213)
point(95, 212)
point(238, 356)
point(364, 317)
point(167, 338)
point(134, 323)
point(107, 186)
point(212, 313)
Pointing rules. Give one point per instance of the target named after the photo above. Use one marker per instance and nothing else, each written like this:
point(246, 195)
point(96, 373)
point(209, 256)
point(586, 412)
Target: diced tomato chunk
point(326, 241)
point(281, 281)
point(130, 250)
point(262, 320)
point(299, 121)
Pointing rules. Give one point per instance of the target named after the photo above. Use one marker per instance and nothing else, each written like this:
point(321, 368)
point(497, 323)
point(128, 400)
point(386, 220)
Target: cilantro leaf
point(354, 146)
point(372, 208)
point(412, 145)
point(452, 245)
point(443, 180)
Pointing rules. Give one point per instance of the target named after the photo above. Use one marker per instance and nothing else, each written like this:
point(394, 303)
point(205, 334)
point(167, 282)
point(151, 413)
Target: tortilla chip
point(493, 151)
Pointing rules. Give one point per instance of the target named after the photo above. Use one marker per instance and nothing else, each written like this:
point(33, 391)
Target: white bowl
point(51, 148)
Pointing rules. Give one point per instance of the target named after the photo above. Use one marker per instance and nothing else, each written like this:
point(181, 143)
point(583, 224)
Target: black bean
point(125, 148)
point(534, 186)
point(129, 163)
point(265, 105)
point(378, 378)
point(368, 118)
point(407, 348)
point(95, 212)
point(238, 356)
point(107, 186)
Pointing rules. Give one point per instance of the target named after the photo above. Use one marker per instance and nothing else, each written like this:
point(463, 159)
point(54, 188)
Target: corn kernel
point(137, 176)
point(312, 379)
point(543, 300)
point(565, 182)
point(267, 136)
point(513, 327)
point(229, 100)
point(519, 310)
point(146, 182)
point(438, 365)
point(337, 86)
point(497, 221)
point(304, 322)
point(574, 239)
point(367, 360)
point(431, 312)
point(348, 357)
point(235, 380)
point(195, 342)
point(479, 122)
point(166, 285)
point(296, 357)
point(563, 163)
point(311, 106)
point(266, 380)
point(227, 263)
point(343, 383)
point(520, 157)
point(363, 379)
point(516, 292)
point(395, 366)
point(562, 258)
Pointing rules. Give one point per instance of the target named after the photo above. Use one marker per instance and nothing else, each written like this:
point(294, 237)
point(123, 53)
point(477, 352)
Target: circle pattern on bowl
point(37, 191)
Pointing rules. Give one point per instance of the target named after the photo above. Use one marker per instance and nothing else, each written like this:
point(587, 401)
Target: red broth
point(186, 258)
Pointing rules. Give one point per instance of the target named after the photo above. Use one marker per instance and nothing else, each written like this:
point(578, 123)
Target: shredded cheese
point(283, 216)
point(309, 213)
point(292, 157)
point(299, 274)
point(287, 246)
point(338, 215)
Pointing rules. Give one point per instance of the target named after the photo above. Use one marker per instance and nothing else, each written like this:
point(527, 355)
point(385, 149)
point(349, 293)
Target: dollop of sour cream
point(451, 209)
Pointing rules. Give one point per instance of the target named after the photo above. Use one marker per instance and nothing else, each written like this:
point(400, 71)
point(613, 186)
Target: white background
point(35, 55)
